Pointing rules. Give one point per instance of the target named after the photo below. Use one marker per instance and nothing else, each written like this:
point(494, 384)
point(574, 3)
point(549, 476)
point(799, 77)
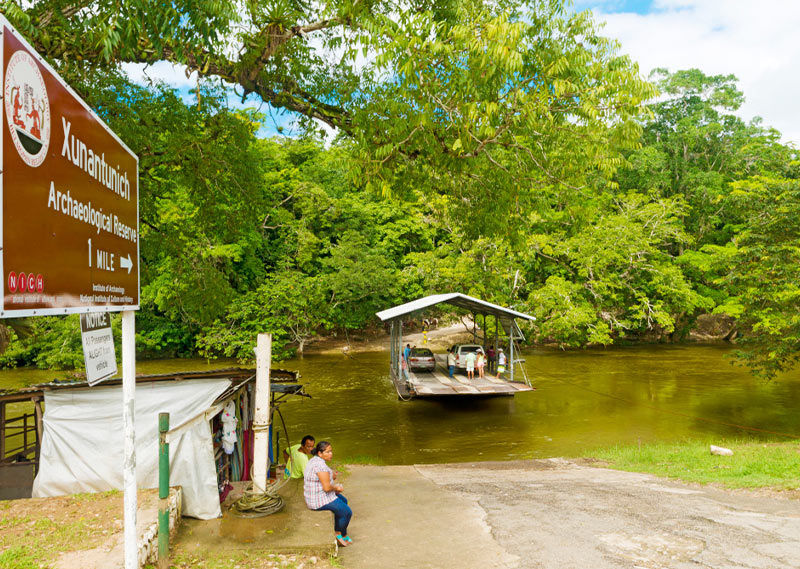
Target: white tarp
point(82, 441)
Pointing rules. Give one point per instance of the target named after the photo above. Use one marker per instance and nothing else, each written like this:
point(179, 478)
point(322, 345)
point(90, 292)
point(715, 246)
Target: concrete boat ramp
point(558, 514)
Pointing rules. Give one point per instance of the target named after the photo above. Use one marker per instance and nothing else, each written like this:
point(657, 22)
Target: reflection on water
point(584, 399)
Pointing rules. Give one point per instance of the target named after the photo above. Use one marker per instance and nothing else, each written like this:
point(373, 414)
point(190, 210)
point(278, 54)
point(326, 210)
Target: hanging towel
point(229, 427)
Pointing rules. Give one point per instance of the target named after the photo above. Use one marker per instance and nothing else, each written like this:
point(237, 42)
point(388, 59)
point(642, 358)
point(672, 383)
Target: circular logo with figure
point(27, 108)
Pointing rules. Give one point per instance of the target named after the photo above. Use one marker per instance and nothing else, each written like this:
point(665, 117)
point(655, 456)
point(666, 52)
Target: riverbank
point(708, 329)
point(377, 340)
point(753, 465)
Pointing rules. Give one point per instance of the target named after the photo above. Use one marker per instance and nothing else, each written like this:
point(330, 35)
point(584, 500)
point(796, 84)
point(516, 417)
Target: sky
point(758, 41)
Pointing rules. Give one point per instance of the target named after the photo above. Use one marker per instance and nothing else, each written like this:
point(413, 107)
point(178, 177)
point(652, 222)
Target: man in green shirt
point(298, 456)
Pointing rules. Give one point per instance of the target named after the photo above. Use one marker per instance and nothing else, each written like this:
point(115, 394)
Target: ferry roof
point(474, 305)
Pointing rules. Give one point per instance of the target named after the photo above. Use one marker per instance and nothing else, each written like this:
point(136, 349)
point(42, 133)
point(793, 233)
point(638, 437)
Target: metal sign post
point(69, 229)
point(128, 409)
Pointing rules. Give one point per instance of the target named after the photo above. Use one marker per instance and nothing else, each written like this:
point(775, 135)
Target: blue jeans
point(341, 514)
point(451, 369)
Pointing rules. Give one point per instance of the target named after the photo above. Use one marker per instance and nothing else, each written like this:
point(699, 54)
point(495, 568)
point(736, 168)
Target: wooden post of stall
point(261, 415)
point(37, 404)
point(2, 430)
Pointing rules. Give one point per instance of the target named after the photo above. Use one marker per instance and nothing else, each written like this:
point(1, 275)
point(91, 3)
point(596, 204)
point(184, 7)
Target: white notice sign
point(98, 347)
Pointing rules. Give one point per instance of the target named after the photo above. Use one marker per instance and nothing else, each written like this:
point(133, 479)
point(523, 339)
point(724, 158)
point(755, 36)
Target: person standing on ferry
point(469, 359)
point(501, 362)
point(491, 359)
point(451, 362)
point(480, 363)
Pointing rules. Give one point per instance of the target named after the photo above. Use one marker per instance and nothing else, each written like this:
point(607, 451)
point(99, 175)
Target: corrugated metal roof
point(455, 299)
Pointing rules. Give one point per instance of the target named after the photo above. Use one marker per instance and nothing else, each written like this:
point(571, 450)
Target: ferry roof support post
point(511, 349)
point(261, 415)
point(474, 328)
point(129, 463)
point(400, 353)
point(495, 337)
point(393, 347)
point(397, 349)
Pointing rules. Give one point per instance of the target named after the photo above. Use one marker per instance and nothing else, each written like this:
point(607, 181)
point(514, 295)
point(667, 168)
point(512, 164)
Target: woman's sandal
point(348, 540)
point(342, 541)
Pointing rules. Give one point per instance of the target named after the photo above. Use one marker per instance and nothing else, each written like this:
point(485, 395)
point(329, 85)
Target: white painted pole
point(261, 416)
point(129, 464)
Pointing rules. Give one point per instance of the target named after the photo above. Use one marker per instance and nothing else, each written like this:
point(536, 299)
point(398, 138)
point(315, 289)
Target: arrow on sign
point(126, 263)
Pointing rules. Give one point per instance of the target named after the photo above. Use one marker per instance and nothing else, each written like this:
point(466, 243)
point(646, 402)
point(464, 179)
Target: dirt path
point(556, 514)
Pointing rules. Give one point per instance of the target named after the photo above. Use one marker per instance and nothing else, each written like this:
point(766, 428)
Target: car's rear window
point(421, 352)
point(465, 349)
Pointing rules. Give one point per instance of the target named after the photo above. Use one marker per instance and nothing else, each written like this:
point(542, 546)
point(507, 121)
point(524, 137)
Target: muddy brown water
point(584, 400)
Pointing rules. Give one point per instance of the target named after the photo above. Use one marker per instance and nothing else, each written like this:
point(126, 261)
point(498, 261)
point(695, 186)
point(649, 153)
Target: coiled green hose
point(254, 504)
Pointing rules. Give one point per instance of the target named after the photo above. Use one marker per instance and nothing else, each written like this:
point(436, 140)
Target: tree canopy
point(503, 149)
point(490, 98)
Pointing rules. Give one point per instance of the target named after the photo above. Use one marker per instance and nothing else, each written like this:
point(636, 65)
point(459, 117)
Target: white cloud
point(756, 41)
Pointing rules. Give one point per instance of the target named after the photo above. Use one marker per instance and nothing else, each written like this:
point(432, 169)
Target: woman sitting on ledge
point(322, 493)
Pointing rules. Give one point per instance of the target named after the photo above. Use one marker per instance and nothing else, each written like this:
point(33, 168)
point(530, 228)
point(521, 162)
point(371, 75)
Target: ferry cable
point(400, 395)
point(661, 410)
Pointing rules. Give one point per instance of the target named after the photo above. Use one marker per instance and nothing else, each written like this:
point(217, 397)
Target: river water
point(584, 400)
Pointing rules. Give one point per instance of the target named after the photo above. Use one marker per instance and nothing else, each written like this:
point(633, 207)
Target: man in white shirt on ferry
point(470, 361)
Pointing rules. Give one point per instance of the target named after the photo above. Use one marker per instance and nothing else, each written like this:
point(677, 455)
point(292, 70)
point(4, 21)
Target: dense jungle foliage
point(502, 150)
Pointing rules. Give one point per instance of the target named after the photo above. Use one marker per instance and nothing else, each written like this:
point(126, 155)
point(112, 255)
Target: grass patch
point(753, 464)
point(11, 522)
point(94, 496)
point(39, 540)
point(17, 558)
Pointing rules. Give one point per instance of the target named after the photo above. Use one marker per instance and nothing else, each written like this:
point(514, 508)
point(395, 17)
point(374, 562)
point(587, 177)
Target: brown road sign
point(70, 196)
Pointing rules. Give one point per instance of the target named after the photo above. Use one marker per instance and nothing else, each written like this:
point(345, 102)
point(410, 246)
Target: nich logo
point(25, 282)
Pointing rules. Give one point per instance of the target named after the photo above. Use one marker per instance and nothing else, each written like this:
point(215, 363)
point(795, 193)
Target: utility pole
point(261, 416)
